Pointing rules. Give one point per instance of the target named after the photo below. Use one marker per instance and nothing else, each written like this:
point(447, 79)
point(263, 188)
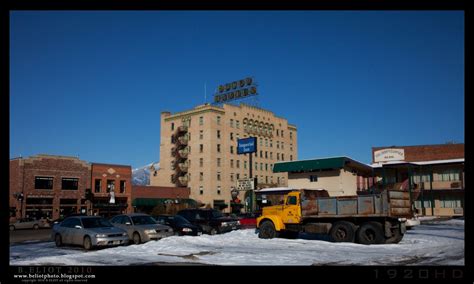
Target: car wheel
point(87, 243)
point(35, 226)
point(12, 228)
point(136, 238)
point(58, 240)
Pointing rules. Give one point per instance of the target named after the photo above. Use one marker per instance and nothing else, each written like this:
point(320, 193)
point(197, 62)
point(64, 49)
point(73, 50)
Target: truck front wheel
point(342, 231)
point(267, 230)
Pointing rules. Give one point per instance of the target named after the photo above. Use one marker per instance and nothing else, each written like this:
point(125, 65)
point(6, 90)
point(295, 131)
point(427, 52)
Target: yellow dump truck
point(366, 219)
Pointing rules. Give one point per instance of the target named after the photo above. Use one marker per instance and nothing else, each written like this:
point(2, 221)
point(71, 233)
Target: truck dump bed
point(389, 203)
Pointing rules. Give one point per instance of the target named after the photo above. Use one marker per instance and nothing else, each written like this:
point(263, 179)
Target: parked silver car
point(29, 223)
point(141, 227)
point(88, 231)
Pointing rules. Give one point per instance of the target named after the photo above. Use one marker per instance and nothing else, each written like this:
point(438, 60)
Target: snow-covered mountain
point(141, 176)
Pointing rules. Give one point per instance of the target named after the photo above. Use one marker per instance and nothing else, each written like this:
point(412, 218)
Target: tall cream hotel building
point(198, 149)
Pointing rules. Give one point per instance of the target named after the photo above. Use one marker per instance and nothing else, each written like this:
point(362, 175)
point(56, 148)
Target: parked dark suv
point(211, 221)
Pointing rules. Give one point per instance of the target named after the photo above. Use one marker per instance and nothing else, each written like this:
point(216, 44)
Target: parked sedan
point(29, 223)
point(141, 227)
point(88, 231)
point(180, 225)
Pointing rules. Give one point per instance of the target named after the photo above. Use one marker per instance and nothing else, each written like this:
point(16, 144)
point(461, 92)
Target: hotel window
point(237, 164)
point(172, 125)
point(201, 162)
point(231, 136)
point(313, 178)
point(261, 166)
point(218, 134)
point(201, 148)
point(122, 186)
point(291, 135)
point(266, 155)
point(449, 175)
point(43, 182)
point(219, 190)
point(261, 142)
point(238, 176)
point(266, 167)
point(110, 185)
point(237, 136)
point(231, 177)
point(245, 164)
point(266, 142)
point(201, 176)
point(278, 133)
point(218, 120)
point(231, 163)
point(282, 156)
point(450, 202)
point(282, 134)
point(256, 166)
point(278, 156)
point(231, 123)
point(271, 143)
point(172, 178)
point(69, 183)
point(232, 149)
point(291, 157)
point(261, 154)
point(218, 148)
point(237, 124)
point(278, 144)
point(266, 179)
point(201, 120)
point(201, 134)
point(291, 147)
point(271, 155)
point(218, 175)
point(283, 145)
point(201, 191)
point(97, 185)
point(218, 162)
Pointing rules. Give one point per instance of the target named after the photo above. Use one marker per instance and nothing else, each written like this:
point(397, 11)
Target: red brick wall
point(51, 166)
point(140, 191)
point(428, 152)
point(106, 172)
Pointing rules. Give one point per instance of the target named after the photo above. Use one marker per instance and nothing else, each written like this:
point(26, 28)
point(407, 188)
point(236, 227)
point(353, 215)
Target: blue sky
point(93, 83)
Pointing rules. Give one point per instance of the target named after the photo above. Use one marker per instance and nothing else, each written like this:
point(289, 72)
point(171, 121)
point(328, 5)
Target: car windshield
point(217, 214)
point(96, 223)
point(180, 219)
point(143, 220)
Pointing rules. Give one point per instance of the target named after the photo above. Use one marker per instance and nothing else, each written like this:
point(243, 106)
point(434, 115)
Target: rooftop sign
point(236, 90)
point(390, 154)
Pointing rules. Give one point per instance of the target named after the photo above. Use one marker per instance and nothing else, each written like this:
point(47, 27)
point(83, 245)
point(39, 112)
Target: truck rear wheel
point(267, 230)
point(371, 233)
point(342, 231)
point(396, 237)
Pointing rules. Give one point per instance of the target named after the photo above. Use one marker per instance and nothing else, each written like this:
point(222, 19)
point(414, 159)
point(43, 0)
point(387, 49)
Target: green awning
point(156, 201)
point(318, 164)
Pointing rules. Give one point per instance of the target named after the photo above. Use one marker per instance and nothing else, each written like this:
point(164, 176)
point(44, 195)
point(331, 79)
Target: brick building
point(436, 172)
point(145, 198)
point(51, 186)
point(108, 178)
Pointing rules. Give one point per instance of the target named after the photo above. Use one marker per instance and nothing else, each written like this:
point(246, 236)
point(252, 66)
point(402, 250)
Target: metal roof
point(318, 164)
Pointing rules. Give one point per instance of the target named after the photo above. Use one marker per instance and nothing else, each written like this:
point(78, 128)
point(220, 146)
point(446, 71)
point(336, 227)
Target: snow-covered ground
point(437, 243)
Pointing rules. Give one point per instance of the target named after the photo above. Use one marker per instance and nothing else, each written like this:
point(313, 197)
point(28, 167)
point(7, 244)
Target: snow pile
point(434, 244)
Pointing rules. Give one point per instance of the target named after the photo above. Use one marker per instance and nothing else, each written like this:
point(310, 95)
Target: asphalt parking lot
point(27, 235)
